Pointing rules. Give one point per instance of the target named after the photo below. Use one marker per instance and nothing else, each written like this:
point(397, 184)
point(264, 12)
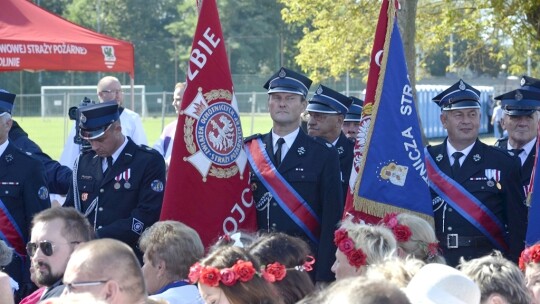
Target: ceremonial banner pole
point(389, 156)
point(533, 198)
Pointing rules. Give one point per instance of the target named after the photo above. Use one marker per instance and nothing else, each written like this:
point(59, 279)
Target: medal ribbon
point(126, 174)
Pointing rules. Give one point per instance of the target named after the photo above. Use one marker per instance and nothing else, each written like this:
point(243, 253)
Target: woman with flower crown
point(359, 245)
point(230, 275)
point(415, 237)
point(292, 252)
point(529, 263)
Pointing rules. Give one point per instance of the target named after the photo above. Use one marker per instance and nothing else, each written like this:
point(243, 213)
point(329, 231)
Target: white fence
point(158, 104)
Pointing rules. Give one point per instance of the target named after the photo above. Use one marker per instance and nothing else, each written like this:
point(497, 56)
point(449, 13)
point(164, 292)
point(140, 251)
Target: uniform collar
point(450, 150)
point(289, 138)
point(3, 147)
point(116, 153)
point(527, 148)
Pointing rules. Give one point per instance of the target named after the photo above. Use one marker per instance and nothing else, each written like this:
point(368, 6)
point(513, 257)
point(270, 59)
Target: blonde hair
point(377, 242)
point(422, 236)
point(395, 270)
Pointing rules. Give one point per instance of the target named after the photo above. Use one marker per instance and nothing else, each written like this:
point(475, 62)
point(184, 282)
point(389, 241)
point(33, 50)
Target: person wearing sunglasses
point(23, 193)
point(109, 270)
point(55, 233)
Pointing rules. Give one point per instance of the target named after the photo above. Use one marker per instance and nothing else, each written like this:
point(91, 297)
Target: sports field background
point(51, 133)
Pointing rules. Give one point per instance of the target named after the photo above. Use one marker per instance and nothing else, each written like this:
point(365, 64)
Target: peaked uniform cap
point(6, 101)
point(329, 101)
point(530, 83)
point(95, 119)
point(287, 81)
point(459, 96)
point(355, 109)
point(520, 102)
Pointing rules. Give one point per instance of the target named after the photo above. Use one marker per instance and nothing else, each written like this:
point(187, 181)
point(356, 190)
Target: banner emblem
point(213, 135)
point(108, 55)
point(394, 173)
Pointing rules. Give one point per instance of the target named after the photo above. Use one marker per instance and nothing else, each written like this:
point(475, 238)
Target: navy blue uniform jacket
point(58, 176)
point(24, 192)
point(526, 169)
point(122, 213)
point(311, 167)
point(345, 148)
point(507, 203)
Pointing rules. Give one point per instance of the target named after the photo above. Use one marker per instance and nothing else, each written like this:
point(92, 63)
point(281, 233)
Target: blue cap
point(520, 102)
point(355, 110)
point(459, 96)
point(530, 83)
point(328, 101)
point(287, 81)
point(6, 101)
point(95, 119)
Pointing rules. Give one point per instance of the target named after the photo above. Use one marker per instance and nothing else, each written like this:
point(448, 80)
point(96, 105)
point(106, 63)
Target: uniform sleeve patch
point(43, 193)
point(137, 226)
point(157, 185)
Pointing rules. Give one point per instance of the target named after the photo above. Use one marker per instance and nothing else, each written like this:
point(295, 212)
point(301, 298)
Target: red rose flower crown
point(529, 255)
point(242, 271)
point(345, 244)
point(401, 232)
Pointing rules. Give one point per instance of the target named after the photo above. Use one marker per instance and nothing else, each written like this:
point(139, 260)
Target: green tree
point(339, 33)
point(141, 22)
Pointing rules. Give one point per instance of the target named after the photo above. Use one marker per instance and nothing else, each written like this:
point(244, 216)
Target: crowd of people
point(86, 229)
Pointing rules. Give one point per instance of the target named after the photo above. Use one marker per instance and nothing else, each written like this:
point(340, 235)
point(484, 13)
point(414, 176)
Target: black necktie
point(109, 165)
point(277, 154)
point(516, 152)
point(456, 166)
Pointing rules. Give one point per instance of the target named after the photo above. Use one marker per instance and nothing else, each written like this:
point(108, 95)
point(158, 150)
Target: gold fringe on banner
point(379, 209)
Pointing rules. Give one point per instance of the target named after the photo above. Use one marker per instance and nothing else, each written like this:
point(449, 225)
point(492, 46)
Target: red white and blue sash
point(289, 200)
point(10, 231)
point(466, 204)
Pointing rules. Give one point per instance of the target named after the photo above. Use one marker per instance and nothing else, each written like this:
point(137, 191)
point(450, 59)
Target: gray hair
point(6, 254)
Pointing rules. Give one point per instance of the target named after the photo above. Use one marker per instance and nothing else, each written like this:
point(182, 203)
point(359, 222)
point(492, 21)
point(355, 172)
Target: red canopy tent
point(32, 38)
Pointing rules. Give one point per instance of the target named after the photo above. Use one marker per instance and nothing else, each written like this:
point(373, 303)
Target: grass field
point(50, 133)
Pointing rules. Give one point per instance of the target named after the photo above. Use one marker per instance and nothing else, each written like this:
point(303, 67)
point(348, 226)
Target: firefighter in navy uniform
point(308, 169)
point(484, 206)
point(118, 185)
point(351, 123)
point(327, 110)
point(520, 120)
point(23, 193)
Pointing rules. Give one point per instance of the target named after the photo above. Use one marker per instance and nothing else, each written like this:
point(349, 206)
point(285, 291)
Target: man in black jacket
point(118, 185)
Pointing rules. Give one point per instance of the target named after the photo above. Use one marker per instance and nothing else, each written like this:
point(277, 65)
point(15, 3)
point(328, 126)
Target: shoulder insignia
point(137, 226)
point(43, 193)
point(157, 185)
point(254, 136)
